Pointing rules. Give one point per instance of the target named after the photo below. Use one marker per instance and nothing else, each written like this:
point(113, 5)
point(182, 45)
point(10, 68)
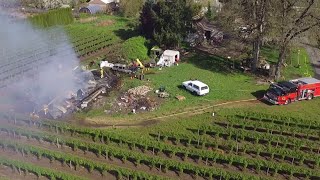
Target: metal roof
point(93, 8)
point(170, 53)
point(308, 80)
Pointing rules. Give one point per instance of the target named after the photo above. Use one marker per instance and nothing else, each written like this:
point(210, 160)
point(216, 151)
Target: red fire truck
point(294, 90)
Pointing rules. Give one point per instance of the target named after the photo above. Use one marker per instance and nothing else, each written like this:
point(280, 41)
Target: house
point(209, 31)
point(100, 6)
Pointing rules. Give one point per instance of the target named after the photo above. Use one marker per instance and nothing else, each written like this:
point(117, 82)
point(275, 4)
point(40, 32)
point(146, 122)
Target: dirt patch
point(105, 23)
point(86, 20)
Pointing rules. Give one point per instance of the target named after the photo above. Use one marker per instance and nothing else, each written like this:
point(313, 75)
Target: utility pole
point(298, 58)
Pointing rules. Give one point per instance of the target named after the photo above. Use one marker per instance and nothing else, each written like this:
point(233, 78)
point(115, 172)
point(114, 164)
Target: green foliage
point(131, 8)
point(296, 56)
point(37, 170)
point(119, 153)
point(89, 40)
point(135, 48)
point(61, 16)
point(167, 21)
point(209, 14)
point(287, 148)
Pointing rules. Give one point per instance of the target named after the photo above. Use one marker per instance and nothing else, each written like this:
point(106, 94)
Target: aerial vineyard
point(241, 146)
point(87, 40)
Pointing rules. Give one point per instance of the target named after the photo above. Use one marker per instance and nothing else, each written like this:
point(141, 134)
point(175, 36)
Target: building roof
point(102, 2)
point(308, 80)
point(170, 53)
point(93, 8)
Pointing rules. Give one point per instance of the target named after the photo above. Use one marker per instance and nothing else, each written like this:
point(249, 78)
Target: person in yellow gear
point(101, 73)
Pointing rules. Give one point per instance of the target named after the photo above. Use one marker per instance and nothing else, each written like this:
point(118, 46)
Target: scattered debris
point(86, 20)
point(140, 90)
point(133, 101)
point(180, 98)
point(163, 94)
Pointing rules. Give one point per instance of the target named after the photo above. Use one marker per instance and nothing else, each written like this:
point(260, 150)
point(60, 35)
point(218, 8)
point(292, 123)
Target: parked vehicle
point(122, 68)
point(196, 87)
point(294, 90)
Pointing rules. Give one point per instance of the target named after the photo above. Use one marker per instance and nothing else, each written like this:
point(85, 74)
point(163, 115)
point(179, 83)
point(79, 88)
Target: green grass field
point(297, 56)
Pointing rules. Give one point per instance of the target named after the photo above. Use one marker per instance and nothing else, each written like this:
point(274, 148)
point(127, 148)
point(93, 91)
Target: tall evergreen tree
point(167, 21)
point(147, 19)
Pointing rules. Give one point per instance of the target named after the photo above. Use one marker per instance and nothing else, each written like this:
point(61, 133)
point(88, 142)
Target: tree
point(291, 19)
point(167, 21)
point(147, 19)
point(131, 8)
point(209, 12)
point(253, 14)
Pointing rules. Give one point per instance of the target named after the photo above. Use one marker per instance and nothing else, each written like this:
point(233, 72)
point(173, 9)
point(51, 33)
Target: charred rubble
point(92, 87)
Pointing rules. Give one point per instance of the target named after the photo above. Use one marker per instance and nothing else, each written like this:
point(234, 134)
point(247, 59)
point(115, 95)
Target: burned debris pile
point(134, 100)
point(90, 87)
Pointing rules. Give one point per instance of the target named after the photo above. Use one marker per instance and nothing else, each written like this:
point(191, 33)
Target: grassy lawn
point(224, 84)
point(297, 56)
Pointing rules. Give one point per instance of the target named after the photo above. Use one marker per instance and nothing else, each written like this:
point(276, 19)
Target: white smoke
point(35, 63)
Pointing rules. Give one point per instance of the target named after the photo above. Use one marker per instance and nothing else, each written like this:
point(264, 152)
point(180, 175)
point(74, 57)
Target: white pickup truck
point(196, 87)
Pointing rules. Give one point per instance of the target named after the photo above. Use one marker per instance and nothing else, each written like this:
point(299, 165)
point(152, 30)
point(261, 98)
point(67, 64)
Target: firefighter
point(45, 109)
point(176, 60)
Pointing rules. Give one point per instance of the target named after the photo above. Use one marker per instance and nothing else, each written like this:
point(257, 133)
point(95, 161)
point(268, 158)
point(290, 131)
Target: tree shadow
point(259, 95)
point(125, 34)
point(212, 63)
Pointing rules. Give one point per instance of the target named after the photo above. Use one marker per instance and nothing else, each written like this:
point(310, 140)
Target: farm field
point(248, 140)
point(236, 144)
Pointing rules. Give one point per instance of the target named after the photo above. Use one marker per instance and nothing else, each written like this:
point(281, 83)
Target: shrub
point(134, 48)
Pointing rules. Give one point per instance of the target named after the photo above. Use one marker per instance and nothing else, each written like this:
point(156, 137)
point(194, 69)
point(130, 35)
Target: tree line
point(282, 21)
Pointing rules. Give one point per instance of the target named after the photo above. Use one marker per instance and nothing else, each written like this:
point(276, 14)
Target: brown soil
point(105, 23)
point(94, 157)
point(145, 168)
point(55, 165)
point(130, 165)
point(8, 173)
point(108, 51)
point(86, 20)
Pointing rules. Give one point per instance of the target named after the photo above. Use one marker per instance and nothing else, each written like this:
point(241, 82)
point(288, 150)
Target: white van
point(196, 87)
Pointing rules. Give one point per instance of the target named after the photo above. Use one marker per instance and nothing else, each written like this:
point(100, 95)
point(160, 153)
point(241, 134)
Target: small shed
point(92, 9)
point(209, 31)
point(169, 58)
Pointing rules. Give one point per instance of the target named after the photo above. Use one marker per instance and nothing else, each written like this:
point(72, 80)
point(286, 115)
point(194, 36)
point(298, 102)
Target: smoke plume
point(35, 64)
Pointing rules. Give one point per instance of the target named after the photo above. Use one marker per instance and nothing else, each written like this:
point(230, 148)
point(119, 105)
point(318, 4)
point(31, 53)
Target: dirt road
point(147, 121)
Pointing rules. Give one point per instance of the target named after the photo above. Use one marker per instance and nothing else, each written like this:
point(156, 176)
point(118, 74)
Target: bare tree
point(253, 14)
point(259, 15)
point(291, 19)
